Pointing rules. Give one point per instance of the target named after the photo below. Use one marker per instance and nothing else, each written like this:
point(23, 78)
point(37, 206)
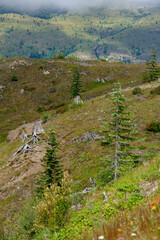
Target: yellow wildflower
point(154, 207)
point(119, 230)
point(158, 228)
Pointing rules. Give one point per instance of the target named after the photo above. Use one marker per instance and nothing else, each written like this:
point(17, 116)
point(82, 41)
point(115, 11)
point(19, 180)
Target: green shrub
point(59, 56)
point(145, 76)
point(40, 109)
point(14, 77)
point(153, 126)
point(103, 60)
point(106, 176)
point(52, 209)
point(137, 91)
point(134, 199)
point(61, 109)
point(128, 187)
point(45, 117)
point(3, 137)
point(155, 91)
point(23, 223)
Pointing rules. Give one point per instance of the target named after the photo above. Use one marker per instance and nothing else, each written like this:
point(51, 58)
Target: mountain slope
point(82, 159)
point(126, 35)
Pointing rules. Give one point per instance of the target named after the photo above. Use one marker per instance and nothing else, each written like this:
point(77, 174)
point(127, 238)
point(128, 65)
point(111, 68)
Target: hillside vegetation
point(125, 35)
point(90, 215)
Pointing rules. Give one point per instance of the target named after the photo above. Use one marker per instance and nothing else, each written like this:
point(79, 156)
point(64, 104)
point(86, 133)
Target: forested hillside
point(97, 33)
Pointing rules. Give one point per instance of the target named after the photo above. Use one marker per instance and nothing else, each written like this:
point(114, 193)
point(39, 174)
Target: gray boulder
point(109, 78)
point(46, 73)
point(22, 91)
point(52, 90)
point(1, 87)
point(98, 80)
point(77, 100)
point(89, 136)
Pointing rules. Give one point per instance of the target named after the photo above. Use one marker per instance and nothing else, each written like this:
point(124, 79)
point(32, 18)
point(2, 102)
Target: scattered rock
point(159, 170)
point(109, 78)
point(158, 79)
point(89, 136)
point(1, 87)
point(77, 207)
point(84, 73)
point(46, 73)
point(105, 197)
point(77, 100)
point(22, 91)
point(98, 80)
point(103, 80)
point(92, 181)
point(52, 90)
point(1, 97)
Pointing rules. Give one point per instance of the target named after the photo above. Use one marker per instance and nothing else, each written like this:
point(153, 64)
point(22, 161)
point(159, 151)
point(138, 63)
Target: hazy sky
point(74, 4)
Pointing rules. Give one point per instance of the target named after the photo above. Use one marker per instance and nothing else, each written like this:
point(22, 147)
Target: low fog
point(75, 4)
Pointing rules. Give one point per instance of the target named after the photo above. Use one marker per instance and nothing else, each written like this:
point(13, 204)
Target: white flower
point(133, 235)
point(101, 237)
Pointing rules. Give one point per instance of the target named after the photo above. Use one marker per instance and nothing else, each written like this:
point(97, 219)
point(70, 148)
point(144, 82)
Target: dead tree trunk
point(23, 137)
point(25, 148)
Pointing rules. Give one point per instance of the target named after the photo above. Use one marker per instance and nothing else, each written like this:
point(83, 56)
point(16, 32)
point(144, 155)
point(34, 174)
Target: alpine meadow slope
point(33, 89)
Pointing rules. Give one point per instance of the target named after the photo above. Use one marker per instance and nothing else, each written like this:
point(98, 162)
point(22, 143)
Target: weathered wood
point(38, 129)
point(35, 139)
point(23, 137)
point(25, 148)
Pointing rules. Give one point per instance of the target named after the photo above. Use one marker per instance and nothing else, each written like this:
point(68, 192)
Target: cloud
point(73, 4)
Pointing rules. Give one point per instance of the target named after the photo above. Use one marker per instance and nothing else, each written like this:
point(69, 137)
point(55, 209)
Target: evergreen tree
point(119, 129)
point(52, 168)
point(152, 65)
point(76, 83)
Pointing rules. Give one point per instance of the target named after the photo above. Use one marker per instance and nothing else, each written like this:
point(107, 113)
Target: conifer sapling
point(76, 83)
point(119, 129)
point(52, 168)
point(152, 65)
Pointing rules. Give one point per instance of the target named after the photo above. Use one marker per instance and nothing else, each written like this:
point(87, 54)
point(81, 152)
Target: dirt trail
point(144, 86)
